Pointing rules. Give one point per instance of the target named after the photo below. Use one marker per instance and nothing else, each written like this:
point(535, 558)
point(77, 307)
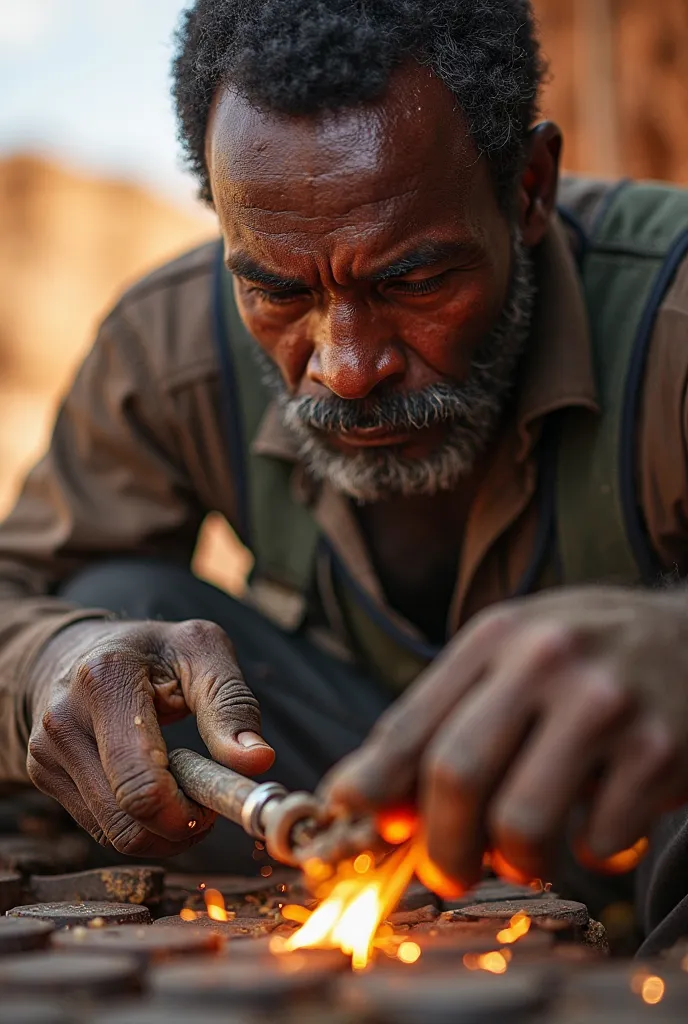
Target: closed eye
point(277, 298)
point(424, 287)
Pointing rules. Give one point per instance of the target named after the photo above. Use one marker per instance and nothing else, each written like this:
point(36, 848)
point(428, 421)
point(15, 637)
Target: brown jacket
point(138, 458)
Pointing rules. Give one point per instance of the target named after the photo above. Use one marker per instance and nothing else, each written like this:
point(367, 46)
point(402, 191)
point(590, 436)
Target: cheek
point(446, 338)
point(283, 340)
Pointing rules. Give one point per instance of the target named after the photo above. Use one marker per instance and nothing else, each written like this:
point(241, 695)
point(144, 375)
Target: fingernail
point(251, 739)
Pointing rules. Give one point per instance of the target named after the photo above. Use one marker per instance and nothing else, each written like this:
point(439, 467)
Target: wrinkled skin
point(101, 692)
point(537, 704)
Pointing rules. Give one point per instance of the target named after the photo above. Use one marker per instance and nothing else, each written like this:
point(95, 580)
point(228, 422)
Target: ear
point(540, 181)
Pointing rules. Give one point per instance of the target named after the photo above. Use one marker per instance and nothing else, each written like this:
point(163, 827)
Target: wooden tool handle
point(210, 784)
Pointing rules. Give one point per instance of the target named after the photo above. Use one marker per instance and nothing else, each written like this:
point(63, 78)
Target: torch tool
point(294, 826)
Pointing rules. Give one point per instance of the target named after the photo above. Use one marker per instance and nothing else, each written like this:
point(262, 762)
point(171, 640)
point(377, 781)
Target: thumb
point(227, 713)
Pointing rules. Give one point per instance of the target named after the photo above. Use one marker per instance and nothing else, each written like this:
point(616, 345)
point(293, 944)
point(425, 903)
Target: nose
point(355, 351)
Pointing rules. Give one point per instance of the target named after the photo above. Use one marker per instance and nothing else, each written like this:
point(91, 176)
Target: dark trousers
point(315, 708)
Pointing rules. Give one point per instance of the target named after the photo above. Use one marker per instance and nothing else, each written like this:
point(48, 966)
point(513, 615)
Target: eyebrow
point(426, 254)
point(244, 266)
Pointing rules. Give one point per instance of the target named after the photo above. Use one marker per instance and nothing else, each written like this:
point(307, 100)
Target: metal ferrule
point(255, 804)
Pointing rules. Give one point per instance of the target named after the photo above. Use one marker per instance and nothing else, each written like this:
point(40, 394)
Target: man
point(413, 404)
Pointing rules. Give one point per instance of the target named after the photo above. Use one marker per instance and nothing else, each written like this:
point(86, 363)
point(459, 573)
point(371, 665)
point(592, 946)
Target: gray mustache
point(439, 403)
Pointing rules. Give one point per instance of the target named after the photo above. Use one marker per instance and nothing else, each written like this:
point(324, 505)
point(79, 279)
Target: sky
point(88, 81)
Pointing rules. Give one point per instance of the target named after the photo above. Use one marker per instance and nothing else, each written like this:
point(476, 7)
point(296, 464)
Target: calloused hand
point(538, 704)
point(101, 691)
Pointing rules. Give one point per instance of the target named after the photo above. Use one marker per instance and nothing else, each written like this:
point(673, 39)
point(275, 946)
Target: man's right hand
point(101, 691)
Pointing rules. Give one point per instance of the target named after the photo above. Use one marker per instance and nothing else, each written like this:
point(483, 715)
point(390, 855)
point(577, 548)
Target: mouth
point(373, 437)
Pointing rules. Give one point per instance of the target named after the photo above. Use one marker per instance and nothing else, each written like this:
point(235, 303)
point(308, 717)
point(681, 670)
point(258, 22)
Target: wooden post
point(598, 115)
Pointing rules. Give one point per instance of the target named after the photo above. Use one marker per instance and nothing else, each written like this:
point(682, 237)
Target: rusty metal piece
point(66, 974)
point(416, 896)
point(147, 945)
point(290, 825)
point(137, 885)
point(414, 997)
point(245, 927)
point(566, 912)
point(10, 891)
point(493, 891)
point(292, 820)
point(413, 917)
point(68, 915)
point(21, 935)
point(212, 785)
point(28, 855)
point(244, 983)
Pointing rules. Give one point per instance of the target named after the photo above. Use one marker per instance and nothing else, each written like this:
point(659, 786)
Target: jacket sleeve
point(109, 485)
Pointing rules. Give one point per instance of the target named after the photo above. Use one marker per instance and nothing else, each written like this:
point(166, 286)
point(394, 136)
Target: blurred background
point(92, 193)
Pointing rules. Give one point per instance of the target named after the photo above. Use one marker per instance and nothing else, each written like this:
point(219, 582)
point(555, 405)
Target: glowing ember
point(363, 863)
point(495, 962)
point(349, 917)
point(397, 827)
point(652, 990)
point(627, 860)
point(519, 925)
point(215, 905)
point(293, 912)
point(187, 914)
point(409, 952)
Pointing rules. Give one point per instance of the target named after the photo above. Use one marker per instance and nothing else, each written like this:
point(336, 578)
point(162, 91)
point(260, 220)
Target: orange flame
point(496, 961)
point(215, 905)
point(519, 925)
point(652, 990)
point(349, 917)
point(293, 912)
point(409, 952)
point(397, 826)
point(619, 864)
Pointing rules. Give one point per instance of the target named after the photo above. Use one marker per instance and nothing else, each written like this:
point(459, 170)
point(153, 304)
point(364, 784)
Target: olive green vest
point(629, 244)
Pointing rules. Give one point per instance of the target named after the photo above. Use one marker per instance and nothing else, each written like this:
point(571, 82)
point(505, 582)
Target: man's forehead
point(411, 138)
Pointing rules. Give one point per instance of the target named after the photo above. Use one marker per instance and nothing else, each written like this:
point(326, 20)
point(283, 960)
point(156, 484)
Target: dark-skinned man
point(423, 379)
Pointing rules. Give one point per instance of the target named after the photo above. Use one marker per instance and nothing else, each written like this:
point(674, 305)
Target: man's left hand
point(576, 697)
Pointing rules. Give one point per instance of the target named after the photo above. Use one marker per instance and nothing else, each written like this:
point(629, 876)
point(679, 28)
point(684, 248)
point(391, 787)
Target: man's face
point(376, 270)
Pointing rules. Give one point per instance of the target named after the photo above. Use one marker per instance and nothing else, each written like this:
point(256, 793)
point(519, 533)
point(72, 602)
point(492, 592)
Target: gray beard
point(471, 411)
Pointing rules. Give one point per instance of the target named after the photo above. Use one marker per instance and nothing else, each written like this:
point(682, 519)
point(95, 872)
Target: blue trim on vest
point(636, 530)
point(231, 411)
point(546, 540)
point(417, 647)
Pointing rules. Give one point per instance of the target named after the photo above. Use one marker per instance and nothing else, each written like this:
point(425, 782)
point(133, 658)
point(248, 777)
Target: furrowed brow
point(244, 266)
point(417, 259)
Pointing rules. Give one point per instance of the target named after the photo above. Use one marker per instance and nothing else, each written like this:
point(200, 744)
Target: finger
point(385, 769)
point(132, 752)
point(105, 824)
point(473, 750)
point(527, 816)
point(120, 829)
point(227, 713)
point(637, 788)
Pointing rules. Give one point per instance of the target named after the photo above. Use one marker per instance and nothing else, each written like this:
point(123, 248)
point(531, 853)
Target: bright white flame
point(349, 918)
